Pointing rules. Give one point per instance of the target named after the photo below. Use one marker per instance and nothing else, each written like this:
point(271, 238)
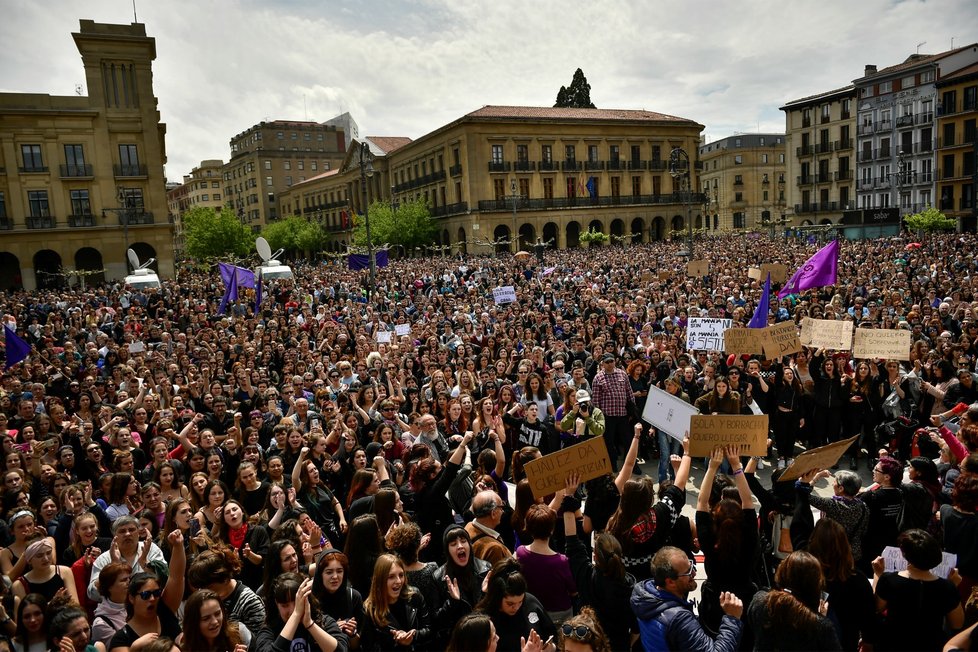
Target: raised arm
point(703, 500)
point(625, 474)
point(173, 592)
point(682, 473)
point(737, 470)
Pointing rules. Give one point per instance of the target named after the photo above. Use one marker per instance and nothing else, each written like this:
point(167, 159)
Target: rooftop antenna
point(134, 19)
point(305, 113)
point(952, 42)
point(78, 89)
point(920, 44)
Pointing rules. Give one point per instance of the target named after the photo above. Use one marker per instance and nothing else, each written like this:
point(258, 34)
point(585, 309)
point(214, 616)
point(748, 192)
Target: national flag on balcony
point(17, 349)
point(592, 187)
point(344, 219)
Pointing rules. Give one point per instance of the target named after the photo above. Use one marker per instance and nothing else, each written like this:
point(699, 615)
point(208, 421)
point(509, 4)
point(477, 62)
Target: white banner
point(504, 294)
point(706, 333)
point(402, 329)
point(668, 413)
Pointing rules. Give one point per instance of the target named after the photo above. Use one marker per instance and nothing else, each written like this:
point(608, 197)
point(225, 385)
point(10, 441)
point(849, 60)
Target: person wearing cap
point(592, 420)
point(612, 394)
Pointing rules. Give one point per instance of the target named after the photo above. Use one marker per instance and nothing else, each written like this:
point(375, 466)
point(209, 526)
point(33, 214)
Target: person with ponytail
point(792, 616)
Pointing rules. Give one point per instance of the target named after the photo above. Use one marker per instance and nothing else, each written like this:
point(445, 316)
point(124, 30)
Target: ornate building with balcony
point(270, 158)
point(538, 172)
point(897, 115)
point(957, 146)
point(820, 157)
point(744, 183)
point(81, 177)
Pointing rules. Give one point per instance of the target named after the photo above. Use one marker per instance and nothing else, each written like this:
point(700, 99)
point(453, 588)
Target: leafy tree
point(592, 237)
point(411, 225)
point(209, 234)
point(295, 235)
point(929, 220)
point(577, 95)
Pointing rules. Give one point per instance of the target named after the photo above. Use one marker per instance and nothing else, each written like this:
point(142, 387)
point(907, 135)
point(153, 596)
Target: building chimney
point(870, 70)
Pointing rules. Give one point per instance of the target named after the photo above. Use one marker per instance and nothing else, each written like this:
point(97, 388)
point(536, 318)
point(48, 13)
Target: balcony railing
point(455, 170)
point(658, 165)
point(523, 166)
point(68, 171)
point(77, 221)
point(135, 218)
point(593, 165)
point(497, 205)
point(865, 184)
point(818, 207)
point(845, 143)
point(905, 121)
point(46, 222)
point(925, 118)
point(866, 129)
point(865, 156)
point(806, 122)
point(843, 175)
point(129, 170)
point(967, 203)
point(6, 224)
point(957, 140)
point(499, 166)
point(804, 150)
point(804, 180)
point(926, 178)
point(884, 125)
point(948, 173)
point(32, 169)
point(572, 165)
point(883, 152)
point(947, 203)
point(548, 166)
point(451, 209)
point(636, 164)
point(738, 182)
point(823, 148)
point(823, 177)
point(616, 164)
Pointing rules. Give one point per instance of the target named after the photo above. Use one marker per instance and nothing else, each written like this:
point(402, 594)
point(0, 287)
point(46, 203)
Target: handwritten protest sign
point(781, 339)
point(402, 329)
point(744, 340)
point(668, 413)
point(881, 343)
point(589, 460)
point(646, 278)
point(706, 333)
point(698, 268)
point(826, 334)
point(894, 561)
point(136, 347)
point(504, 294)
point(665, 276)
point(383, 337)
point(779, 272)
point(706, 432)
point(823, 457)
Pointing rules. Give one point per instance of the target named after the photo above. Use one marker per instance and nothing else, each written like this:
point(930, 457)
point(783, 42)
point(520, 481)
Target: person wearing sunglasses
point(582, 633)
point(665, 615)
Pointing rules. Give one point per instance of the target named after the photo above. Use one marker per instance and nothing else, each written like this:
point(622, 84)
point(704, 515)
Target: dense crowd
point(345, 467)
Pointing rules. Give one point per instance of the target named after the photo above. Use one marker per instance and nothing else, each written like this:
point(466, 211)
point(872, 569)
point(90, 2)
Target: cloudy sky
point(406, 67)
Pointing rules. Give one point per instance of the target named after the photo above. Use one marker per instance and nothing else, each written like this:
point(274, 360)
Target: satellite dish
point(261, 244)
point(133, 258)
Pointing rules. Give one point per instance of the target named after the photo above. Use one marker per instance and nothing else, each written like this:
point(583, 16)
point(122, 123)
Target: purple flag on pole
point(230, 294)
point(17, 349)
point(818, 271)
point(759, 320)
point(245, 277)
point(257, 297)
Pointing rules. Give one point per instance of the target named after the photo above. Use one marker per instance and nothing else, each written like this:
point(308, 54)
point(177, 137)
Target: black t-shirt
point(915, 612)
point(169, 627)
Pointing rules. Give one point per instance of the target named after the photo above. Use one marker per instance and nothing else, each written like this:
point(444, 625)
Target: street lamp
point(515, 196)
point(125, 212)
point(679, 154)
point(367, 171)
point(898, 185)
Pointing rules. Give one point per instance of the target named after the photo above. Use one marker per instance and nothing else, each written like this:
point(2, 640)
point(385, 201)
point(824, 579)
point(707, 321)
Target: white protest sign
point(894, 561)
point(383, 337)
point(504, 294)
point(137, 347)
point(706, 333)
point(668, 413)
point(402, 329)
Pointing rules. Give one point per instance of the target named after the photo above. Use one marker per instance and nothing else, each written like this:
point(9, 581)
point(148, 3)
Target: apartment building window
point(74, 157)
point(547, 154)
point(288, 181)
point(80, 205)
point(636, 153)
point(739, 220)
point(656, 152)
point(806, 118)
point(313, 165)
point(737, 142)
point(302, 165)
point(763, 158)
point(294, 136)
point(499, 189)
point(268, 182)
point(636, 186)
point(570, 155)
point(33, 161)
point(780, 158)
point(844, 197)
point(217, 196)
point(592, 153)
point(3, 206)
point(215, 184)
point(738, 159)
point(525, 188)
point(826, 113)
point(885, 87)
point(279, 135)
point(738, 196)
point(969, 131)
point(287, 165)
point(205, 197)
point(37, 202)
point(548, 188)
point(738, 179)
point(523, 154)
point(949, 101)
point(616, 187)
point(846, 109)
point(497, 154)
point(762, 141)
point(615, 153)
point(970, 97)
point(129, 159)
point(765, 193)
point(657, 185)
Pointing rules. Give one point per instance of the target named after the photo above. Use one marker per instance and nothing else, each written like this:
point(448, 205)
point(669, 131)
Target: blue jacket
point(666, 622)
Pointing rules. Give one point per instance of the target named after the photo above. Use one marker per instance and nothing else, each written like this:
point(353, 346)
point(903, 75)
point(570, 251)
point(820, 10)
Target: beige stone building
point(271, 157)
point(957, 146)
point(202, 187)
point(820, 133)
point(81, 177)
point(744, 184)
point(540, 172)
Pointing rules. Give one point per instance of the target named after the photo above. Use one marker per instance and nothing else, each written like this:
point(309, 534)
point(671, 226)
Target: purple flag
point(819, 270)
point(759, 320)
point(245, 277)
point(17, 349)
point(230, 294)
point(257, 297)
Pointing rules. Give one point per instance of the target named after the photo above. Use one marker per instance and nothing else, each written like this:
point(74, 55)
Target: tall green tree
point(929, 220)
point(577, 95)
point(410, 225)
point(296, 235)
point(209, 234)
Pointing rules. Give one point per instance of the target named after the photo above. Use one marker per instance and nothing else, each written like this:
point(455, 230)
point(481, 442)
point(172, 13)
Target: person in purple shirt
point(548, 573)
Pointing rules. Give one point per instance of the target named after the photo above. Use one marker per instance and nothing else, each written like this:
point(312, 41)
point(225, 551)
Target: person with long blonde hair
point(395, 617)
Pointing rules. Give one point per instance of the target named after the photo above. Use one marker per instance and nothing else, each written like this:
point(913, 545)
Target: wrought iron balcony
point(455, 170)
point(6, 224)
point(866, 129)
point(593, 165)
point(68, 171)
point(843, 175)
point(658, 165)
point(523, 166)
point(616, 164)
point(499, 166)
point(905, 121)
point(497, 205)
point(77, 221)
point(845, 143)
point(571, 164)
point(45, 222)
point(636, 164)
point(129, 170)
point(451, 209)
point(823, 148)
point(548, 166)
point(32, 169)
point(135, 218)
point(804, 150)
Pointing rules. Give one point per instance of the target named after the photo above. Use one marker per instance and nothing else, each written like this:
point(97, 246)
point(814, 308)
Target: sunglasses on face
point(146, 595)
point(580, 632)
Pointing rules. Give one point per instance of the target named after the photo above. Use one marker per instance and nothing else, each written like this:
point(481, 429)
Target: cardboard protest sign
point(589, 460)
point(826, 334)
point(706, 333)
point(744, 340)
point(707, 431)
point(665, 276)
point(823, 457)
point(698, 268)
point(668, 413)
point(504, 294)
point(779, 272)
point(383, 337)
point(402, 329)
point(894, 561)
point(781, 339)
point(646, 278)
point(889, 344)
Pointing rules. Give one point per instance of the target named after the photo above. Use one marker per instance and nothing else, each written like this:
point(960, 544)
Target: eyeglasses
point(579, 632)
point(691, 572)
point(146, 595)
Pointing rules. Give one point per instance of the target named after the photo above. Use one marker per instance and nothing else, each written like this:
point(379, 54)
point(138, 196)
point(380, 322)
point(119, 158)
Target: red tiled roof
point(327, 173)
point(963, 72)
point(914, 60)
point(563, 113)
point(389, 143)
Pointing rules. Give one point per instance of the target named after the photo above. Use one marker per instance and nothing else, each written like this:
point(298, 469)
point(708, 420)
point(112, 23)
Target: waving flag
point(759, 320)
point(230, 294)
point(17, 349)
point(818, 271)
point(257, 297)
point(245, 277)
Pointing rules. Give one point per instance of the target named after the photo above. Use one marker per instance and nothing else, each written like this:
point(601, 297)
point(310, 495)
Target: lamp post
point(367, 171)
point(515, 196)
point(125, 212)
point(679, 154)
point(898, 185)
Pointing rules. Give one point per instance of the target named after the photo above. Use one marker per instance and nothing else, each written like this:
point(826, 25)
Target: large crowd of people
point(345, 468)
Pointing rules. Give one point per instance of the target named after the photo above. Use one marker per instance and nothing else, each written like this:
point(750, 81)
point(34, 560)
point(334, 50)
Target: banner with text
point(781, 339)
point(707, 431)
point(706, 333)
point(889, 344)
point(698, 268)
point(547, 474)
point(504, 294)
point(779, 272)
point(748, 341)
point(826, 334)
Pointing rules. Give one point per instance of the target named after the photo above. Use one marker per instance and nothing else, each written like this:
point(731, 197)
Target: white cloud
point(406, 68)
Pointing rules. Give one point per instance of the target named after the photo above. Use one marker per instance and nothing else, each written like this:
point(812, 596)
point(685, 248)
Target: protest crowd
point(346, 467)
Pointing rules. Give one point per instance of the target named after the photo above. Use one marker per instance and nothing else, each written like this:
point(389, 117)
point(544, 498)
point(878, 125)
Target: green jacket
point(594, 422)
